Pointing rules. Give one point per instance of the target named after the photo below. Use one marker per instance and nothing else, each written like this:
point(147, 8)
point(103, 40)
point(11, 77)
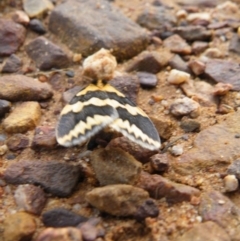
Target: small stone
point(181, 14)
point(177, 150)
point(197, 67)
point(234, 169)
point(23, 118)
point(46, 54)
point(12, 65)
point(37, 26)
point(189, 125)
point(70, 73)
point(222, 89)
point(159, 162)
point(114, 166)
point(61, 217)
point(17, 142)
point(119, 200)
point(17, 32)
point(176, 62)
point(23, 88)
point(199, 17)
point(35, 8)
point(30, 198)
point(199, 46)
point(5, 107)
point(44, 137)
point(20, 17)
point(177, 45)
point(147, 79)
point(213, 53)
point(177, 77)
point(19, 226)
point(234, 44)
point(63, 234)
point(45, 174)
point(185, 106)
point(230, 183)
point(3, 149)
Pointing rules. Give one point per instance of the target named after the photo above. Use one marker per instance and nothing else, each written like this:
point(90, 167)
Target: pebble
point(197, 67)
point(177, 45)
point(44, 137)
point(63, 234)
point(19, 226)
point(24, 117)
point(12, 65)
point(3, 149)
point(35, 8)
point(184, 106)
point(189, 125)
point(114, 166)
point(147, 79)
point(234, 45)
point(160, 162)
point(5, 107)
point(199, 17)
point(176, 150)
point(230, 183)
point(23, 88)
point(61, 217)
point(213, 53)
point(99, 28)
point(234, 169)
point(37, 26)
point(20, 17)
point(45, 174)
point(199, 46)
point(30, 198)
point(222, 89)
point(177, 77)
point(118, 200)
point(17, 142)
point(149, 61)
point(46, 54)
point(176, 62)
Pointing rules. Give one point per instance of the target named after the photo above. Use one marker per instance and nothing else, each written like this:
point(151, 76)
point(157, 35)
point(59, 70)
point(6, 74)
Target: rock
point(46, 54)
point(230, 101)
point(148, 61)
point(63, 234)
point(179, 64)
point(213, 53)
point(5, 107)
point(177, 45)
point(197, 67)
point(45, 174)
point(199, 46)
point(3, 149)
point(139, 153)
point(230, 183)
point(93, 30)
point(177, 77)
point(159, 162)
point(17, 32)
point(119, 200)
point(24, 117)
point(61, 217)
point(184, 106)
point(35, 8)
point(37, 26)
point(159, 187)
point(30, 198)
point(23, 88)
point(234, 44)
point(205, 231)
point(202, 17)
point(17, 142)
point(222, 89)
point(224, 71)
point(193, 33)
point(12, 65)
point(19, 226)
point(176, 150)
point(234, 168)
point(189, 125)
point(20, 17)
point(114, 166)
point(147, 79)
point(44, 137)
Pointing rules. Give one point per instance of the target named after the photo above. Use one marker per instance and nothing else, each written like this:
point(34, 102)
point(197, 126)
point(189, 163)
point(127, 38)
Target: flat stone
point(19, 226)
point(190, 125)
point(114, 166)
point(224, 71)
point(12, 65)
point(46, 54)
point(17, 142)
point(176, 62)
point(5, 107)
point(197, 67)
point(30, 198)
point(119, 200)
point(199, 46)
point(61, 217)
point(234, 44)
point(147, 79)
point(17, 32)
point(57, 178)
point(24, 117)
point(205, 231)
point(92, 29)
point(23, 88)
point(177, 45)
point(222, 89)
point(159, 187)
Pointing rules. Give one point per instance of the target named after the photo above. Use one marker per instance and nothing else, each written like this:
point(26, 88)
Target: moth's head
point(100, 65)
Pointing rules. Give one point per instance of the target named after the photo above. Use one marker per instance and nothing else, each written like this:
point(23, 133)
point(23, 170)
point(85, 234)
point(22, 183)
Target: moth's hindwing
point(86, 114)
point(132, 121)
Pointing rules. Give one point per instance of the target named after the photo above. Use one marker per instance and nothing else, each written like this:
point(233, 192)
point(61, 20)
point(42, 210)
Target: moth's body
point(99, 106)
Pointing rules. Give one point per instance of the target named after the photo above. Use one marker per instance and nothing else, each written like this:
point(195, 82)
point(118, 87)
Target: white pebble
point(177, 150)
point(177, 77)
point(230, 183)
point(181, 14)
point(3, 150)
point(199, 16)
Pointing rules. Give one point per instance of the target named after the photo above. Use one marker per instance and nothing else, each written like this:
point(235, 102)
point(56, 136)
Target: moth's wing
point(132, 121)
point(86, 114)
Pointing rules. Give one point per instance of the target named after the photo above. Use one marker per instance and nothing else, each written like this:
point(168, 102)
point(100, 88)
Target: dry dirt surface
point(179, 62)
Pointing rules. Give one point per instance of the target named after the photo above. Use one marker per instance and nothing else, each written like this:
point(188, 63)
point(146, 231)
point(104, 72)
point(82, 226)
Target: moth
point(99, 106)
